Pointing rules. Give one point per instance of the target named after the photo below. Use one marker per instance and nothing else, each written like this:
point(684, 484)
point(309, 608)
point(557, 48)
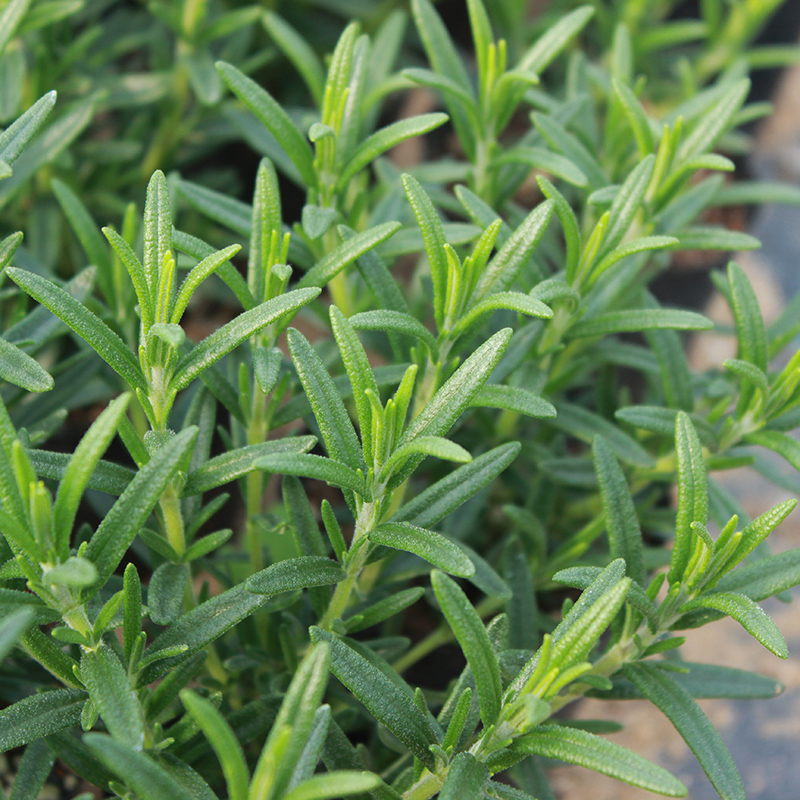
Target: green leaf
point(435, 80)
point(166, 591)
point(347, 252)
point(714, 122)
point(622, 524)
point(383, 609)
point(395, 322)
point(295, 573)
point(636, 117)
point(692, 724)
point(274, 118)
point(298, 51)
point(14, 138)
point(197, 275)
point(229, 466)
point(222, 739)
point(384, 693)
point(13, 626)
point(39, 715)
point(512, 398)
point(310, 466)
point(385, 139)
point(81, 467)
point(585, 425)
point(446, 406)
point(501, 272)
point(750, 616)
point(107, 477)
point(88, 326)
point(427, 544)
point(329, 785)
point(123, 522)
point(547, 47)
point(744, 192)
point(34, 768)
point(764, 578)
point(331, 415)
point(546, 160)
point(72, 572)
point(587, 750)
point(435, 446)
point(511, 301)
point(139, 772)
point(452, 491)
point(692, 494)
point(433, 235)
point(106, 680)
point(641, 245)
point(467, 777)
point(640, 319)
point(708, 237)
point(474, 641)
point(230, 336)
point(20, 369)
point(157, 230)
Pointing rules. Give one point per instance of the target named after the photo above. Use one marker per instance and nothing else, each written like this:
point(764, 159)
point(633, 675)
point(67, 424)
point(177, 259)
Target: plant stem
point(173, 519)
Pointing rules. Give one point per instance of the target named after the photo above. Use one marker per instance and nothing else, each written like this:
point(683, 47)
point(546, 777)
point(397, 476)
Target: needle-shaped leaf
point(467, 777)
point(447, 494)
point(692, 724)
point(197, 275)
point(39, 715)
point(622, 524)
point(512, 398)
point(636, 117)
point(394, 322)
point(295, 573)
point(711, 237)
point(332, 785)
point(764, 578)
point(80, 468)
point(608, 758)
point(86, 324)
point(127, 516)
point(107, 682)
point(609, 322)
point(19, 368)
point(229, 466)
point(13, 625)
point(558, 36)
point(692, 494)
point(157, 229)
point(384, 693)
point(142, 774)
point(14, 138)
point(435, 446)
point(331, 415)
point(750, 616)
point(274, 118)
point(220, 736)
point(386, 138)
point(510, 301)
point(305, 465)
point(383, 609)
point(347, 252)
point(544, 159)
point(427, 544)
point(230, 336)
point(470, 632)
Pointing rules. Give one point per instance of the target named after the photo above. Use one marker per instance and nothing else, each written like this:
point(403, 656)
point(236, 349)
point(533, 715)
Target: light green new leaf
point(197, 275)
point(750, 616)
point(435, 80)
point(330, 412)
point(127, 516)
point(86, 324)
point(352, 248)
point(295, 573)
point(39, 715)
point(692, 494)
point(427, 544)
point(512, 398)
point(587, 750)
point(332, 785)
point(636, 117)
point(80, 468)
point(471, 634)
point(692, 724)
point(12, 627)
point(435, 446)
point(452, 491)
point(137, 770)
point(384, 693)
point(755, 532)
point(109, 689)
point(230, 336)
point(222, 739)
point(622, 524)
point(640, 319)
point(276, 120)
point(157, 229)
point(641, 245)
point(386, 138)
point(311, 466)
point(511, 301)
point(558, 36)
point(20, 369)
point(227, 467)
point(749, 372)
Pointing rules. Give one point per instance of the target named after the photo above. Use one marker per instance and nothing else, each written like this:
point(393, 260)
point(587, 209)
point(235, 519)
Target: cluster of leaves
point(497, 350)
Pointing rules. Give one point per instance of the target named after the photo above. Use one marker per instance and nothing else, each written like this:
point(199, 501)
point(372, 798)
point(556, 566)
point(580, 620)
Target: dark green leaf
point(431, 546)
point(295, 573)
